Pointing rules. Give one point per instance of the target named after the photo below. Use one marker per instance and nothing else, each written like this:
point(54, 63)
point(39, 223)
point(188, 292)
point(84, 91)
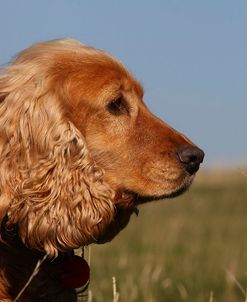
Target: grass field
point(181, 249)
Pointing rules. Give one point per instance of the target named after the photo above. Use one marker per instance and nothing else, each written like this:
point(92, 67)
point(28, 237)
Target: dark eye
point(118, 106)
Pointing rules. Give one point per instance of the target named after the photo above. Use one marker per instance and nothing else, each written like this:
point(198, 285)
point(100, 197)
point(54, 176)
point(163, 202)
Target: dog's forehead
point(123, 82)
point(108, 70)
point(92, 75)
point(102, 73)
point(131, 85)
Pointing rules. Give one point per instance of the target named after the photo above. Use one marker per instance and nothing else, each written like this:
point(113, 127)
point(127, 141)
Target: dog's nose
point(190, 157)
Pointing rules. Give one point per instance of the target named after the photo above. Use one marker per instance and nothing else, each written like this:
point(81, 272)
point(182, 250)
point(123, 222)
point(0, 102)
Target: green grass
point(180, 249)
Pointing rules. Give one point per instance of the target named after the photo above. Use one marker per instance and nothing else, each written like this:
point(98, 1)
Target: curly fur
point(50, 186)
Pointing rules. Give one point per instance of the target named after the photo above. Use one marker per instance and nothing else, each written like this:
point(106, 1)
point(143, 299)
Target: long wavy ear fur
point(49, 186)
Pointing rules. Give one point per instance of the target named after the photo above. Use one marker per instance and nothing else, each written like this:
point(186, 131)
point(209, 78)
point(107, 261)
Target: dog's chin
point(174, 193)
point(130, 199)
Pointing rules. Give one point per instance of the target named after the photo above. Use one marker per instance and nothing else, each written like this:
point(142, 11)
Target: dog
point(79, 152)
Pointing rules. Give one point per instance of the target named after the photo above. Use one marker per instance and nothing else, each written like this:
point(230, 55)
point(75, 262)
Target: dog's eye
point(118, 106)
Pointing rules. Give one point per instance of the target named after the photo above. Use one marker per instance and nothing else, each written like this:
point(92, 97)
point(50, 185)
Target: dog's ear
point(50, 187)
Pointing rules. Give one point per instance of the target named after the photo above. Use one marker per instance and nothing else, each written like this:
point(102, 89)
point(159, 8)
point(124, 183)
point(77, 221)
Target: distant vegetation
point(192, 248)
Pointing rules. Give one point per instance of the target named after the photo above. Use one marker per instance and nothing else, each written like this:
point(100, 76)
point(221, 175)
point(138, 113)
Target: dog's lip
point(129, 199)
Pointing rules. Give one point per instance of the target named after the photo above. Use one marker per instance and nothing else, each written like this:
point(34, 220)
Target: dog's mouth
point(127, 199)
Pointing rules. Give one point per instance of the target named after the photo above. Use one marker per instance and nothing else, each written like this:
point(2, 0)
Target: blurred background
point(191, 58)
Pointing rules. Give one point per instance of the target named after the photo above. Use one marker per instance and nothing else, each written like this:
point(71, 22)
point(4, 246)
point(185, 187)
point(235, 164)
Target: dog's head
point(77, 142)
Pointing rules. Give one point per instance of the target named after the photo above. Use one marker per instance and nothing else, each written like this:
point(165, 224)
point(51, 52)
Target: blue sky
point(190, 56)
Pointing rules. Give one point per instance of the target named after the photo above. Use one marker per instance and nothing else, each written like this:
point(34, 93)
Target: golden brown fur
point(69, 157)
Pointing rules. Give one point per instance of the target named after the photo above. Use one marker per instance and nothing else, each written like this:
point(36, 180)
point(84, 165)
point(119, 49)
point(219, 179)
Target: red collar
point(76, 273)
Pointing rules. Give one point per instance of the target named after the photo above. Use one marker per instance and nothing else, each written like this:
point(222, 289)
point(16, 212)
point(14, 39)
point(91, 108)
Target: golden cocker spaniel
point(79, 151)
